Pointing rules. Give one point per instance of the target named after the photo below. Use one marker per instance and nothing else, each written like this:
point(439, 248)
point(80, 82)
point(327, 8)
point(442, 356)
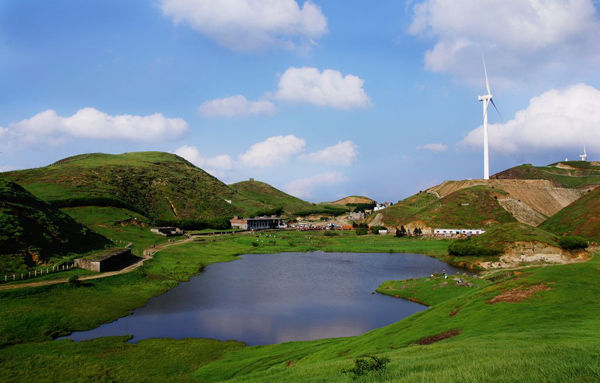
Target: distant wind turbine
point(486, 99)
point(584, 155)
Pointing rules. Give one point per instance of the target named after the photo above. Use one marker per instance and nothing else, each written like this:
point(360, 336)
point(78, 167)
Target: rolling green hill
point(569, 174)
point(472, 207)
point(161, 186)
point(31, 231)
point(582, 217)
point(262, 198)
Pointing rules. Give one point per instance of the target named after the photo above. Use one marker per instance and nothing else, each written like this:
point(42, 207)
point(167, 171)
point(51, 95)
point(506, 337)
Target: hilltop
point(353, 200)
point(567, 174)
point(32, 231)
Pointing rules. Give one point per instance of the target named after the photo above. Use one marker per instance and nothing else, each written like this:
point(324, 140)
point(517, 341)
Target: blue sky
point(331, 97)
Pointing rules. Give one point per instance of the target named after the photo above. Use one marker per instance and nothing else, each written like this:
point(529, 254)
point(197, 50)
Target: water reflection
point(275, 298)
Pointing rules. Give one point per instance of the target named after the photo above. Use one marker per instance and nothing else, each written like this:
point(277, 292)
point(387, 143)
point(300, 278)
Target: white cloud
point(237, 105)
point(434, 147)
point(557, 119)
point(304, 187)
point(3, 131)
point(93, 124)
point(343, 153)
point(326, 88)
point(214, 165)
point(274, 151)
point(521, 38)
point(249, 25)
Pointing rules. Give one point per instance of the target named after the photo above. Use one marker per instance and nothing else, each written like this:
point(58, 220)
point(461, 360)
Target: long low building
point(108, 260)
point(257, 223)
point(454, 232)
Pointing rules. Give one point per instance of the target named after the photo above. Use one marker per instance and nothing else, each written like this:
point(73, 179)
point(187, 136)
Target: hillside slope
point(353, 199)
point(31, 231)
point(582, 217)
point(262, 198)
point(162, 186)
point(472, 207)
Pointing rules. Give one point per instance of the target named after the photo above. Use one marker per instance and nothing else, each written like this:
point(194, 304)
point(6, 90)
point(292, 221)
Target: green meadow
point(541, 324)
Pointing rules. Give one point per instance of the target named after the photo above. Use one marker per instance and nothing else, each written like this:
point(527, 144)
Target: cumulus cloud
point(237, 105)
point(249, 25)
point(520, 38)
point(344, 153)
point(214, 165)
point(323, 88)
point(273, 151)
point(93, 124)
point(557, 119)
point(304, 187)
point(434, 147)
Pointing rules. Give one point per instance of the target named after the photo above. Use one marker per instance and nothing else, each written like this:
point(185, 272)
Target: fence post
point(29, 274)
point(5, 277)
point(14, 278)
point(21, 275)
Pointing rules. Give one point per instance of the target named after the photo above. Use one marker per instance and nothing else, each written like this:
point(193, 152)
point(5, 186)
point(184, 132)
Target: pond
point(275, 298)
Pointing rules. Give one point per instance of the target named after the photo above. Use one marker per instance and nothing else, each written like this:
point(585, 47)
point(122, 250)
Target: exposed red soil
point(436, 338)
point(518, 294)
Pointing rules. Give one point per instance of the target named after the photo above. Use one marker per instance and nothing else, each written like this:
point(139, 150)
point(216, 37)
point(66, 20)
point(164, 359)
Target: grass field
point(536, 325)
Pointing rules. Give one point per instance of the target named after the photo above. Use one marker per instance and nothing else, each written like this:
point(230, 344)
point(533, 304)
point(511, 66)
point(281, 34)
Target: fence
point(37, 273)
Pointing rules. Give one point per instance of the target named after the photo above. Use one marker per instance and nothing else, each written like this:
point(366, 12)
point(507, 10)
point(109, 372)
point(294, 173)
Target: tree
point(401, 232)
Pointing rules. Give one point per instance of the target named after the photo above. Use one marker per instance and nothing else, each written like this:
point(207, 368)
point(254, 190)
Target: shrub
point(375, 229)
point(74, 280)
point(330, 234)
point(255, 244)
point(361, 231)
point(466, 248)
point(366, 365)
point(573, 242)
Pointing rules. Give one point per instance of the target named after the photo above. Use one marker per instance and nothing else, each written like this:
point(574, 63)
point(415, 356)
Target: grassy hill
point(161, 186)
point(582, 217)
point(472, 207)
point(262, 198)
point(569, 174)
point(32, 231)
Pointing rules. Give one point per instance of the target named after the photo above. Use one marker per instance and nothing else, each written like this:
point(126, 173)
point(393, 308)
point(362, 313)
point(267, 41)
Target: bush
point(375, 229)
point(466, 248)
point(573, 242)
point(330, 234)
point(361, 231)
point(366, 365)
point(74, 280)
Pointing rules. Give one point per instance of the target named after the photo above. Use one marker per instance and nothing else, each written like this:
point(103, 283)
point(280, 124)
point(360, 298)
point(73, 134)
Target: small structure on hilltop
point(167, 231)
point(257, 223)
point(108, 260)
point(455, 232)
point(356, 215)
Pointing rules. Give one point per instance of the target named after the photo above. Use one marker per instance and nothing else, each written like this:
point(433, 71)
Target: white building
point(454, 232)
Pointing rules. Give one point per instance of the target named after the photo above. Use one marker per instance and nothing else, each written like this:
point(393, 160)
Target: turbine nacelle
point(486, 97)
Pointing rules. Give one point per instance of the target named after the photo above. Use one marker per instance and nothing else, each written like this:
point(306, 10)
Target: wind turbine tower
point(486, 100)
point(584, 155)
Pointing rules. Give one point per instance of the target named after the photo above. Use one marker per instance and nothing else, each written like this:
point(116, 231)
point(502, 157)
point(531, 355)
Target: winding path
point(148, 254)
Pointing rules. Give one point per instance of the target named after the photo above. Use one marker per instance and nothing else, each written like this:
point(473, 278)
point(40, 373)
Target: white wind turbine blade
point(495, 107)
point(487, 81)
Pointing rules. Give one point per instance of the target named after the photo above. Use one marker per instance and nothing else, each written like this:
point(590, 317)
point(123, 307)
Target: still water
point(274, 298)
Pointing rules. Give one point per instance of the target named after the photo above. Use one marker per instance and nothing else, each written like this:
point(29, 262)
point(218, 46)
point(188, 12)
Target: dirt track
point(148, 254)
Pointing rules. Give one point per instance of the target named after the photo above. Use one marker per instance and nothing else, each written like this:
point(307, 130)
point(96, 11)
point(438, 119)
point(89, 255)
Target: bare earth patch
point(436, 338)
point(518, 294)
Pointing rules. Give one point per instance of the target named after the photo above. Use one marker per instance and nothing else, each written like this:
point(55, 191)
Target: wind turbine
point(486, 100)
point(584, 155)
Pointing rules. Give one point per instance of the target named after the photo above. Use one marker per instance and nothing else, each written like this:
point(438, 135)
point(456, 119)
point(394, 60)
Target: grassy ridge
point(582, 174)
point(262, 197)
point(473, 207)
point(32, 232)
point(582, 217)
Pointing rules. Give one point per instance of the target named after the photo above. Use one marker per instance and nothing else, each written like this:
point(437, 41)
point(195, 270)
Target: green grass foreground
point(550, 335)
